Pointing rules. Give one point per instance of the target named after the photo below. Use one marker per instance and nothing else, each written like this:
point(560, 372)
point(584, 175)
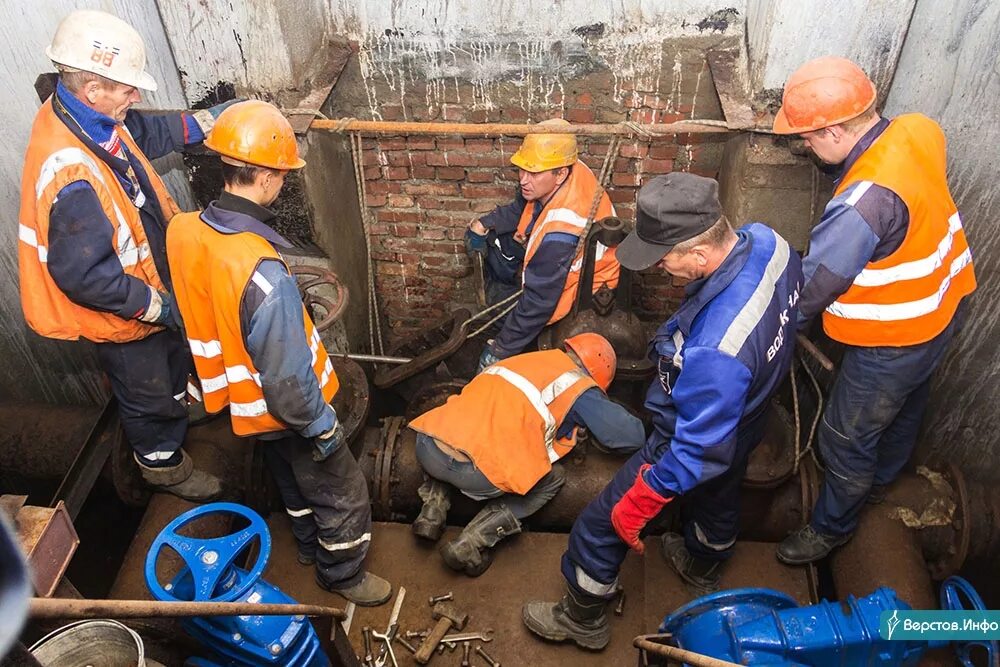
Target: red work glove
point(635, 509)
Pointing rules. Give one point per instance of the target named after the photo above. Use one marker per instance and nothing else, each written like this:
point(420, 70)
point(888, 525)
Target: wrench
point(484, 636)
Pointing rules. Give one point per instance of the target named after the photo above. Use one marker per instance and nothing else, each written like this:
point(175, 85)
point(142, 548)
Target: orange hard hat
point(823, 92)
point(597, 355)
point(255, 133)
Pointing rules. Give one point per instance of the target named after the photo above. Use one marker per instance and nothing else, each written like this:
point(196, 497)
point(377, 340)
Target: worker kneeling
point(500, 440)
point(257, 351)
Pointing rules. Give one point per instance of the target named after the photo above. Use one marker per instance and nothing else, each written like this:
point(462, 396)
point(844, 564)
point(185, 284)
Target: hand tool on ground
point(405, 644)
point(486, 656)
point(366, 633)
point(448, 617)
point(620, 607)
point(440, 598)
point(83, 609)
point(391, 630)
point(416, 634)
point(466, 648)
point(483, 636)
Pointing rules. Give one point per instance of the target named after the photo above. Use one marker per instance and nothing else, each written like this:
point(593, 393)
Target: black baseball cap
point(671, 209)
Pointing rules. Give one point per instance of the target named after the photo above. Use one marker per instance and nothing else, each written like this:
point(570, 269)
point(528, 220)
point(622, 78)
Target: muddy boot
point(371, 591)
point(576, 617)
point(470, 551)
point(429, 524)
point(700, 575)
point(183, 480)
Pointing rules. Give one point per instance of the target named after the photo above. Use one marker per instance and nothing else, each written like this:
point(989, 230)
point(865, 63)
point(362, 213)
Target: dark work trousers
point(328, 504)
point(870, 425)
point(149, 379)
point(710, 513)
point(467, 478)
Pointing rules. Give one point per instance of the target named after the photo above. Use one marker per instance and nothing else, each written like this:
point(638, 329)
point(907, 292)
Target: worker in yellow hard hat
point(887, 270)
point(258, 353)
point(91, 250)
point(532, 242)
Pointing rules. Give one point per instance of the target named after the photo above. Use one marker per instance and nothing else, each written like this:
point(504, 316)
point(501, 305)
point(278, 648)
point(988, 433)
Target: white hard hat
point(101, 43)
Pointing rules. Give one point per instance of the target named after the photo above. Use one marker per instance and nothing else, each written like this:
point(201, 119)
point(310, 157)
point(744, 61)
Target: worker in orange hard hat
point(91, 249)
point(258, 353)
point(888, 268)
point(532, 242)
point(501, 438)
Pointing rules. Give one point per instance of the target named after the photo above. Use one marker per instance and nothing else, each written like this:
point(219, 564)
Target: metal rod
point(815, 352)
point(643, 643)
point(644, 130)
point(378, 359)
point(65, 608)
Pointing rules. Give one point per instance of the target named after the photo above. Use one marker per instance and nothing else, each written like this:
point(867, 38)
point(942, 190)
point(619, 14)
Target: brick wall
point(423, 190)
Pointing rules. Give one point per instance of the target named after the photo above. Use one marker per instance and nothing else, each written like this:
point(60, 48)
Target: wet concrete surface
point(526, 568)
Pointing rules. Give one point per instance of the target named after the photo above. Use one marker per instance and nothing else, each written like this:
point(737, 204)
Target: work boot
point(371, 591)
point(470, 551)
point(877, 495)
point(808, 546)
point(699, 574)
point(576, 617)
point(429, 524)
point(182, 480)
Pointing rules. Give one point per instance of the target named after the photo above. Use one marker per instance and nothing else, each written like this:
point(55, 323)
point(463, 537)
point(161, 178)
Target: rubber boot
point(429, 524)
point(701, 575)
point(371, 591)
point(183, 480)
point(470, 551)
point(577, 617)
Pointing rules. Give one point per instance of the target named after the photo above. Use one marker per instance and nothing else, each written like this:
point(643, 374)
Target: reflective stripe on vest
point(919, 268)
point(541, 400)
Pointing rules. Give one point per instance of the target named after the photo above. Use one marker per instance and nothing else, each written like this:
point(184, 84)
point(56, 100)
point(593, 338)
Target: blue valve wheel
point(958, 594)
point(208, 560)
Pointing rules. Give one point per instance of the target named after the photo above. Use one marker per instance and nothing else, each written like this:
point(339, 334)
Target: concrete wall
point(34, 368)
point(949, 70)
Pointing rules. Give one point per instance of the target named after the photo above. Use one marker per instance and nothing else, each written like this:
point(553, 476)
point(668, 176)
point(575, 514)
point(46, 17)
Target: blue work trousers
point(149, 378)
point(709, 512)
point(870, 425)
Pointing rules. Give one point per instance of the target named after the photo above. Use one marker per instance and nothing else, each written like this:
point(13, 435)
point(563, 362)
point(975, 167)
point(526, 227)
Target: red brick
point(455, 204)
point(391, 112)
point(633, 150)
point(515, 114)
point(653, 102)
point(580, 115)
point(475, 176)
point(484, 205)
point(378, 228)
point(400, 201)
point(387, 215)
point(404, 230)
point(479, 145)
point(433, 233)
point(663, 151)
point(431, 188)
point(391, 143)
point(383, 187)
point(438, 159)
point(621, 196)
point(489, 160)
point(374, 200)
point(483, 115)
point(373, 173)
point(472, 190)
point(429, 202)
point(584, 99)
point(624, 179)
point(645, 116)
point(370, 158)
point(450, 144)
point(462, 159)
point(452, 112)
point(450, 173)
point(422, 171)
point(397, 173)
point(419, 143)
point(651, 166)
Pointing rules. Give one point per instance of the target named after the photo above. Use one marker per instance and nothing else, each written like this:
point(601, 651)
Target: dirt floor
point(526, 568)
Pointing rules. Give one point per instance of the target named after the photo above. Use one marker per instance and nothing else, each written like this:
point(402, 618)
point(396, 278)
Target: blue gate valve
point(209, 574)
point(760, 626)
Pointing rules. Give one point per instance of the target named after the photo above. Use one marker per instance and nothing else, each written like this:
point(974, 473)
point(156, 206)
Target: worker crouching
point(500, 441)
point(258, 352)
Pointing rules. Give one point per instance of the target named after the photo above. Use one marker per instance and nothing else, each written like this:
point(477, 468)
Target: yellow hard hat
point(541, 152)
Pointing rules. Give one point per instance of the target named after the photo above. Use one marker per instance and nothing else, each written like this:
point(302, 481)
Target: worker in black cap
point(719, 358)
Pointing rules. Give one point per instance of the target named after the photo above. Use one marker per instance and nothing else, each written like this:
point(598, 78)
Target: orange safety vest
point(506, 419)
point(910, 296)
point(55, 158)
point(567, 212)
point(211, 270)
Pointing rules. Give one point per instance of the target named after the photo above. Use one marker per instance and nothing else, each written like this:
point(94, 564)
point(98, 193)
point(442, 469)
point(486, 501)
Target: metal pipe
point(814, 352)
point(85, 609)
point(643, 643)
point(376, 358)
point(644, 130)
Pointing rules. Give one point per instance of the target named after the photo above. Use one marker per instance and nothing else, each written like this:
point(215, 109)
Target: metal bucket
point(99, 643)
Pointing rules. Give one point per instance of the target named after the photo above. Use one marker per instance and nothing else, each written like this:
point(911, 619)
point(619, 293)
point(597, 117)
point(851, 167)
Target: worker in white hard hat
point(92, 250)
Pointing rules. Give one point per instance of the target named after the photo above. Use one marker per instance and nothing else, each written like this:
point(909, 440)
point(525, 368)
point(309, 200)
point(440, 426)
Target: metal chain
point(374, 322)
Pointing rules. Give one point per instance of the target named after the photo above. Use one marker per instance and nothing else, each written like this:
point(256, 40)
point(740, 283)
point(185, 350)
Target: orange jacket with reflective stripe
point(211, 270)
point(506, 419)
point(567, 212)
point(910, 296)
point(56, 158)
